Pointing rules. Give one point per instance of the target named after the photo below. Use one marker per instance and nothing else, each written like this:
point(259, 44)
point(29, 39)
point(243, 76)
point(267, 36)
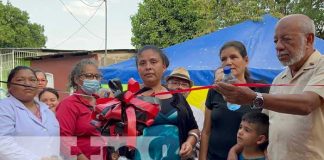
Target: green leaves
point(168, 22)
point(163, 23)
point(16, 31)
point(312, 8)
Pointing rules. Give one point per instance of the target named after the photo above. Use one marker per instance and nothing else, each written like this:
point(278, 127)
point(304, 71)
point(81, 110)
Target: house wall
point(60, 67)
point(114, 57)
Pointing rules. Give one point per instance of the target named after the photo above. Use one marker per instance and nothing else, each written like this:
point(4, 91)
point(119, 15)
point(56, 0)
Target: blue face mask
point(90, 86)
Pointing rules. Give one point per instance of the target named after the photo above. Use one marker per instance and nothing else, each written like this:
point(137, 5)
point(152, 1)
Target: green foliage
point(167, 22)
point(163, 23)
point(312, 8)
point(16, 30)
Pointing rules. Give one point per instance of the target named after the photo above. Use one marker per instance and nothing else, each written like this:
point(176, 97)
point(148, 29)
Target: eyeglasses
point(178, 83)
point(92, 76)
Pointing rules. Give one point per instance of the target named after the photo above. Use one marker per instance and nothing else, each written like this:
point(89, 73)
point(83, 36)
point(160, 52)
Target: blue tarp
point(201, 55)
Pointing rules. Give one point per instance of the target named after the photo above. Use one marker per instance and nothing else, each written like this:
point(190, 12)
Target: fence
point(9, 59)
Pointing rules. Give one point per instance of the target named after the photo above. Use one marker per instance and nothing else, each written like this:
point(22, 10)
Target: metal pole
point(13, 59)
point(1, 68)
point(105, 58)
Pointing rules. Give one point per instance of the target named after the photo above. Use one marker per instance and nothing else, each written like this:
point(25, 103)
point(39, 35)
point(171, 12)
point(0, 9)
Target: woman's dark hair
point(51, 90)
point(14, 71)
point(239, 46)
point(77, 71)
point(164, 58)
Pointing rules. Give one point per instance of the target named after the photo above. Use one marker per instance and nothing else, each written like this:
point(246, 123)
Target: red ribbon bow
point(123, 115)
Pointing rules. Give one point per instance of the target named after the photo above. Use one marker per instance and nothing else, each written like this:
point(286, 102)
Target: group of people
point(280, 123)
point(46, 94)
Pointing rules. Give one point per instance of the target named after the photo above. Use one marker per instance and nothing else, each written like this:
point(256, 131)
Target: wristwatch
point(258, 101)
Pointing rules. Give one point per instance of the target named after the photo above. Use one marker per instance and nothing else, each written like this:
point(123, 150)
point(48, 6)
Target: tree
point(16, 30)
point(163, 23)
point(167, 22)
point(229, 12)
point(312, 8)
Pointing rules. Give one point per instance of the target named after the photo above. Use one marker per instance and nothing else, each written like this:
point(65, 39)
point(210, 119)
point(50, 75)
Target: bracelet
point(195, 135)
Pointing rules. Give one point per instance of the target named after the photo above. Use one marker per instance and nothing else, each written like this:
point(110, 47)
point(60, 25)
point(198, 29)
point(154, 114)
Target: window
point(50, 80)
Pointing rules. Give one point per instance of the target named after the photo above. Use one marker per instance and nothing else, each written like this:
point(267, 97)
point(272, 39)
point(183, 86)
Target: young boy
point(253, 136)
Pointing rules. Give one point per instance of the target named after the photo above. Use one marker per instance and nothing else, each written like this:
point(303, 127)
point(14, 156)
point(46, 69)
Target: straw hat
point(181, 73)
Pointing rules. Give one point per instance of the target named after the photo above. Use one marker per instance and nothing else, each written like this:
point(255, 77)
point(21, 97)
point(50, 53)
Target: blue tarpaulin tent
point(201, 55)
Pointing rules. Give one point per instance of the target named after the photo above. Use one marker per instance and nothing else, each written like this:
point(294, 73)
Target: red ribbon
point(110, 110)
point(256, 85)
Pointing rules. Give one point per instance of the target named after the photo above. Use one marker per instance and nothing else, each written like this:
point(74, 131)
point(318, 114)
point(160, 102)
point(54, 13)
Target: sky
point(63, 31)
